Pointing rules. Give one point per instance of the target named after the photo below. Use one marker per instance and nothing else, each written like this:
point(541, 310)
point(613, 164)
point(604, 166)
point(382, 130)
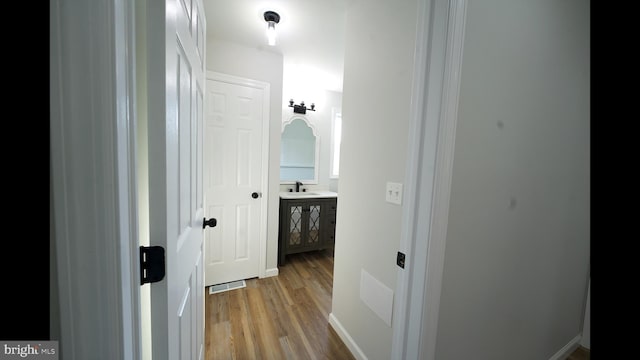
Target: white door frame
point(433, 119)
point(93, 177)
point(264, 180)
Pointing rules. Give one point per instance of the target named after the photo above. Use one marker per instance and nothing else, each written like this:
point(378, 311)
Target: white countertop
point(309, 194)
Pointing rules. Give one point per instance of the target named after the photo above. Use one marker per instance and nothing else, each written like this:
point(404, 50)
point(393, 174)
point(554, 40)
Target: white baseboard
point(346, 338)
point(567, 349)
point(271, 272)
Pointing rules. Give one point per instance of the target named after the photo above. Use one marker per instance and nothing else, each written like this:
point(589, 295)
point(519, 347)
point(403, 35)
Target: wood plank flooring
point(280, 317)
point(580, 353)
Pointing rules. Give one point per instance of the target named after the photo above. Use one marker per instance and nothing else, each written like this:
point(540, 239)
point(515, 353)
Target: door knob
point(255, 195)
point(211, 222)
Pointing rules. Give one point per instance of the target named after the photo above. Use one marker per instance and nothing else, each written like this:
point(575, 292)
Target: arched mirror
point(299, 152)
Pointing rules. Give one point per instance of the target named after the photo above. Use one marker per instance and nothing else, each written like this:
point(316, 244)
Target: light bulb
point(271, 33)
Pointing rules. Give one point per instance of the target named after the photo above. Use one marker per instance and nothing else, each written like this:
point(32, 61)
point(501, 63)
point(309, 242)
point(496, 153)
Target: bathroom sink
point(308, 194)
point(302, 193)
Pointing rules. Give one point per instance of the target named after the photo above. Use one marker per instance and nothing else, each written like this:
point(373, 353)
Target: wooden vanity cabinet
point(306, 224)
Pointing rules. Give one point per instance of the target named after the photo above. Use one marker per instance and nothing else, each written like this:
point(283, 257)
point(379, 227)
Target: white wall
point(321, 119)
point(378, 67)
point(238, 60)
point(517, 250)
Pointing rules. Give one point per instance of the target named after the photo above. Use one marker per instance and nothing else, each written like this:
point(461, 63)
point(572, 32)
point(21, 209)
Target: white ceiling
point(310, 34)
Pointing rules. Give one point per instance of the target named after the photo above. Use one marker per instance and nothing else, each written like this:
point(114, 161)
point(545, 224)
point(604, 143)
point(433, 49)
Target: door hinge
point(400, 259)
point(152, 264)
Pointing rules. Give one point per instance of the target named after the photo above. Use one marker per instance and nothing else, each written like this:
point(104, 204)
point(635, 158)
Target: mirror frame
point(316, 160)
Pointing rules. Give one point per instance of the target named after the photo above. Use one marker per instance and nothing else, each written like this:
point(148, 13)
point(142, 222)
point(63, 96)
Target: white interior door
point(175, 31)
point(236, 155)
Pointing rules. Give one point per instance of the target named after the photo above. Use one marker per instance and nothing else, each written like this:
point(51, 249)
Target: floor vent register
point(214, 289)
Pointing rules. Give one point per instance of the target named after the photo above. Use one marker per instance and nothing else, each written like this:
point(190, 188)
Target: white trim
point(346, 338)
point(93, 177)
point(441, 26)
point(303, 117)
point(567, 349)
point(334, 111)
point(586, 319)
point(443, 174)
point(266, 96)
point(127, 178)
point(271, 272)
point(401, 305)
point(237, 80)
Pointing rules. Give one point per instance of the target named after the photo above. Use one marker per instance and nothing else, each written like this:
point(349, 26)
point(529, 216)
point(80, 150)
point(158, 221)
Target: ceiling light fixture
point(272, 18)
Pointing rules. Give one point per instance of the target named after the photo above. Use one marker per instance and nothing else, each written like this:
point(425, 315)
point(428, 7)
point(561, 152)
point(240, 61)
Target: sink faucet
point(298, 184)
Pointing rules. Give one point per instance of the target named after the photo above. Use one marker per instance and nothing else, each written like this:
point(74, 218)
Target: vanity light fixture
point(272, 18)
point(301, 108)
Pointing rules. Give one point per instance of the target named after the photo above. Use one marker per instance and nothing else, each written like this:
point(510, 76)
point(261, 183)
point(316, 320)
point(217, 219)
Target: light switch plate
point(394, 193)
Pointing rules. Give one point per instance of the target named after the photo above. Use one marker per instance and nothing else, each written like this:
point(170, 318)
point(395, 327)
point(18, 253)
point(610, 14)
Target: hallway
point(281, 317)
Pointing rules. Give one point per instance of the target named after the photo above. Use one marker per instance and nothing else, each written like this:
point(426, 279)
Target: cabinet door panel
point(313, 228)
point(295, 224)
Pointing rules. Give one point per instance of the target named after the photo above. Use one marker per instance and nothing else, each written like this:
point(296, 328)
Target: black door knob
point(211, 222)
point(255, 195)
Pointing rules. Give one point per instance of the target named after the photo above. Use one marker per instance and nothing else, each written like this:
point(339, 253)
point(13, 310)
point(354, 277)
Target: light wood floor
point(280, 317)
point(580, 354)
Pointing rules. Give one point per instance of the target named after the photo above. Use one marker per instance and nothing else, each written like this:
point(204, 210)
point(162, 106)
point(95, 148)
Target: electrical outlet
point(394, 193)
